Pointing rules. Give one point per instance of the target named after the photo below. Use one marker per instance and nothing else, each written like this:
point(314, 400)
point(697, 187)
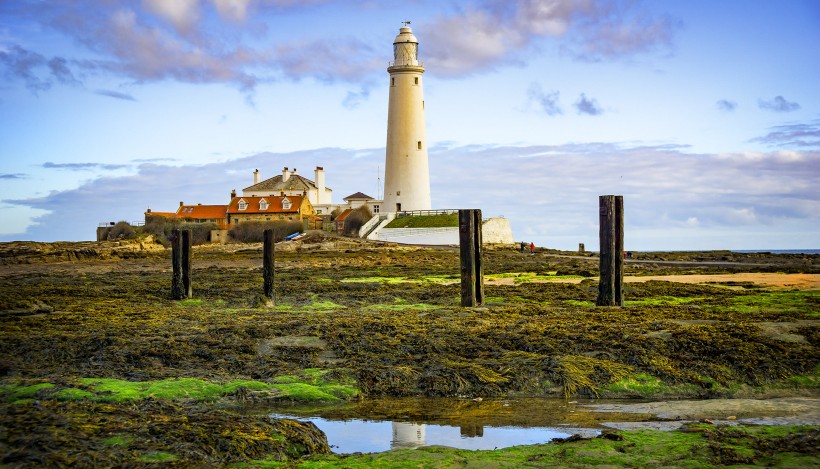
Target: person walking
point(523, 246)
point(532, 248)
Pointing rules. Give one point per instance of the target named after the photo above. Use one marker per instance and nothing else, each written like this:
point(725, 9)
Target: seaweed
point(383, 334)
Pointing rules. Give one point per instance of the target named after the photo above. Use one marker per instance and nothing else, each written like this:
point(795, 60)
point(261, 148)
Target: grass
point(425, 221)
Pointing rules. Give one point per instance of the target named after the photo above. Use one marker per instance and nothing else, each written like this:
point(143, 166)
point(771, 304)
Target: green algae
point(287, 387)
point(159, 457)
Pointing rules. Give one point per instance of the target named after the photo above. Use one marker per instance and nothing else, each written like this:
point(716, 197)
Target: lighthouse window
point(392, 82)
point(416, 80)
point(419, 144)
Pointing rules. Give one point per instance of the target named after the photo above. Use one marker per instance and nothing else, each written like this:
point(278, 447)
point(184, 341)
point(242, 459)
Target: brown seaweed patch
point(79, 434)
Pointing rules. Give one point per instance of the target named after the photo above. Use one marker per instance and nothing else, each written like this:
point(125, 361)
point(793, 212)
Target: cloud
point(183, 14)
point(115, 94)
point(82, 166)
point(587, 106)
point(778, 104)
point(13, 176)
point(235, 10)
point(36, 71)
point(186, 41)
point(493, 33)
point(152, 160)
point(234, 41)
point(793, 135)
point(354, 99)
point(328, 60)
point(674, 199)
point(547, 101)
point(726, 105)
point(613, 30)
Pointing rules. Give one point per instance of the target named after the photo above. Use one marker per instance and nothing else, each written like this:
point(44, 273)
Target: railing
point(367, 227)
point(403, 64)
point(103, 224)
point(417, 213)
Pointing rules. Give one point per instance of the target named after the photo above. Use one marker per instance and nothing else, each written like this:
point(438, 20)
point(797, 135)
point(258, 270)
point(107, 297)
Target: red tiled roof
point(274, 204)
point(202, 212)
point(344, 215)
point(162, 214)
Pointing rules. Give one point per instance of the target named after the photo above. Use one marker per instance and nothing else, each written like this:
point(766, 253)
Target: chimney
point(294, 170)
point(233, 193)
point(181, 203)
point(320, 186)
point(256, 176)
point(149, 211)
point(286, 174)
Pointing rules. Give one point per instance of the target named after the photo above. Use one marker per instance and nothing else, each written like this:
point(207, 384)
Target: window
point(416, 80)
point(375, 209)
point(263, 204)
point(286, 203)
point(419, 144)
point(242, 204)
point(392, 81)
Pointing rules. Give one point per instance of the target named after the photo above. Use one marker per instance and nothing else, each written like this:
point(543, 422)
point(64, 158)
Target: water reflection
point(367, 436)
point(382, 424)
point(408, 435)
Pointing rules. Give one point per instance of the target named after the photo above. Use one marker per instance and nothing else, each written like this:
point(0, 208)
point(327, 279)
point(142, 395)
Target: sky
point(703, 114)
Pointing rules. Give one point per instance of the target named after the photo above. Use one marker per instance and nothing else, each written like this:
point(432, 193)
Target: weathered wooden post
point(618, 282)
point(268, 258)
point(472, 270)
point(177, 287)
point(611, 234)
point(187, 255)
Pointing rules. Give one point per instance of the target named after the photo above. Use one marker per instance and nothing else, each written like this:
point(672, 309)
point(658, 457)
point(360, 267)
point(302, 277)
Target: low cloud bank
point(674, 199)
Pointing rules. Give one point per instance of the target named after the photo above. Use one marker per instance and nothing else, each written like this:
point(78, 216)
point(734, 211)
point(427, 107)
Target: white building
point(290, 183)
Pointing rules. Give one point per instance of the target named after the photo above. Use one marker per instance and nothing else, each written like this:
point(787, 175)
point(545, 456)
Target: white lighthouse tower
point(406, 172)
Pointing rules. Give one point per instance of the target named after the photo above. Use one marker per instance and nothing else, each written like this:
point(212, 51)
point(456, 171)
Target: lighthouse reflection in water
point(371, 436)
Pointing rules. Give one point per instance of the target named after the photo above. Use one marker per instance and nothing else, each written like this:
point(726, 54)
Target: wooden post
point(177, 286)
point(472, 270)
point(618, 281)
point(268, 259)
point(478, 263)
point(611, 234)
point(185, 259)
point(581, 248)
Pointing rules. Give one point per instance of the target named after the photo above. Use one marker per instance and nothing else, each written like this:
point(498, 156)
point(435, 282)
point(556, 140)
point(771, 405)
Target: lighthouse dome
point(405, 35)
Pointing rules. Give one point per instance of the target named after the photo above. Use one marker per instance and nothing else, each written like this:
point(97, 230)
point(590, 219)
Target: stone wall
point(494, 231)
point(497, 231)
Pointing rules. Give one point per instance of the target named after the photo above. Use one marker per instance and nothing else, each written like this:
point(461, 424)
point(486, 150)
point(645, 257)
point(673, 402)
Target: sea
point(780, 251)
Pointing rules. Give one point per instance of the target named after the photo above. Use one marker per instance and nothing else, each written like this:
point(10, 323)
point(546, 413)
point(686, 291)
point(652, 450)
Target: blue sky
point(704, 115)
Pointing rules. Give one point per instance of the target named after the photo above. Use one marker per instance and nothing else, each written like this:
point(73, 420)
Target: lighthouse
point(406, 172)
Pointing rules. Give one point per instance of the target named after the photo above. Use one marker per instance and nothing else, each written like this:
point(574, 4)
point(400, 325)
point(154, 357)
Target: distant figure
point(523, 246)
point(532, 248)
